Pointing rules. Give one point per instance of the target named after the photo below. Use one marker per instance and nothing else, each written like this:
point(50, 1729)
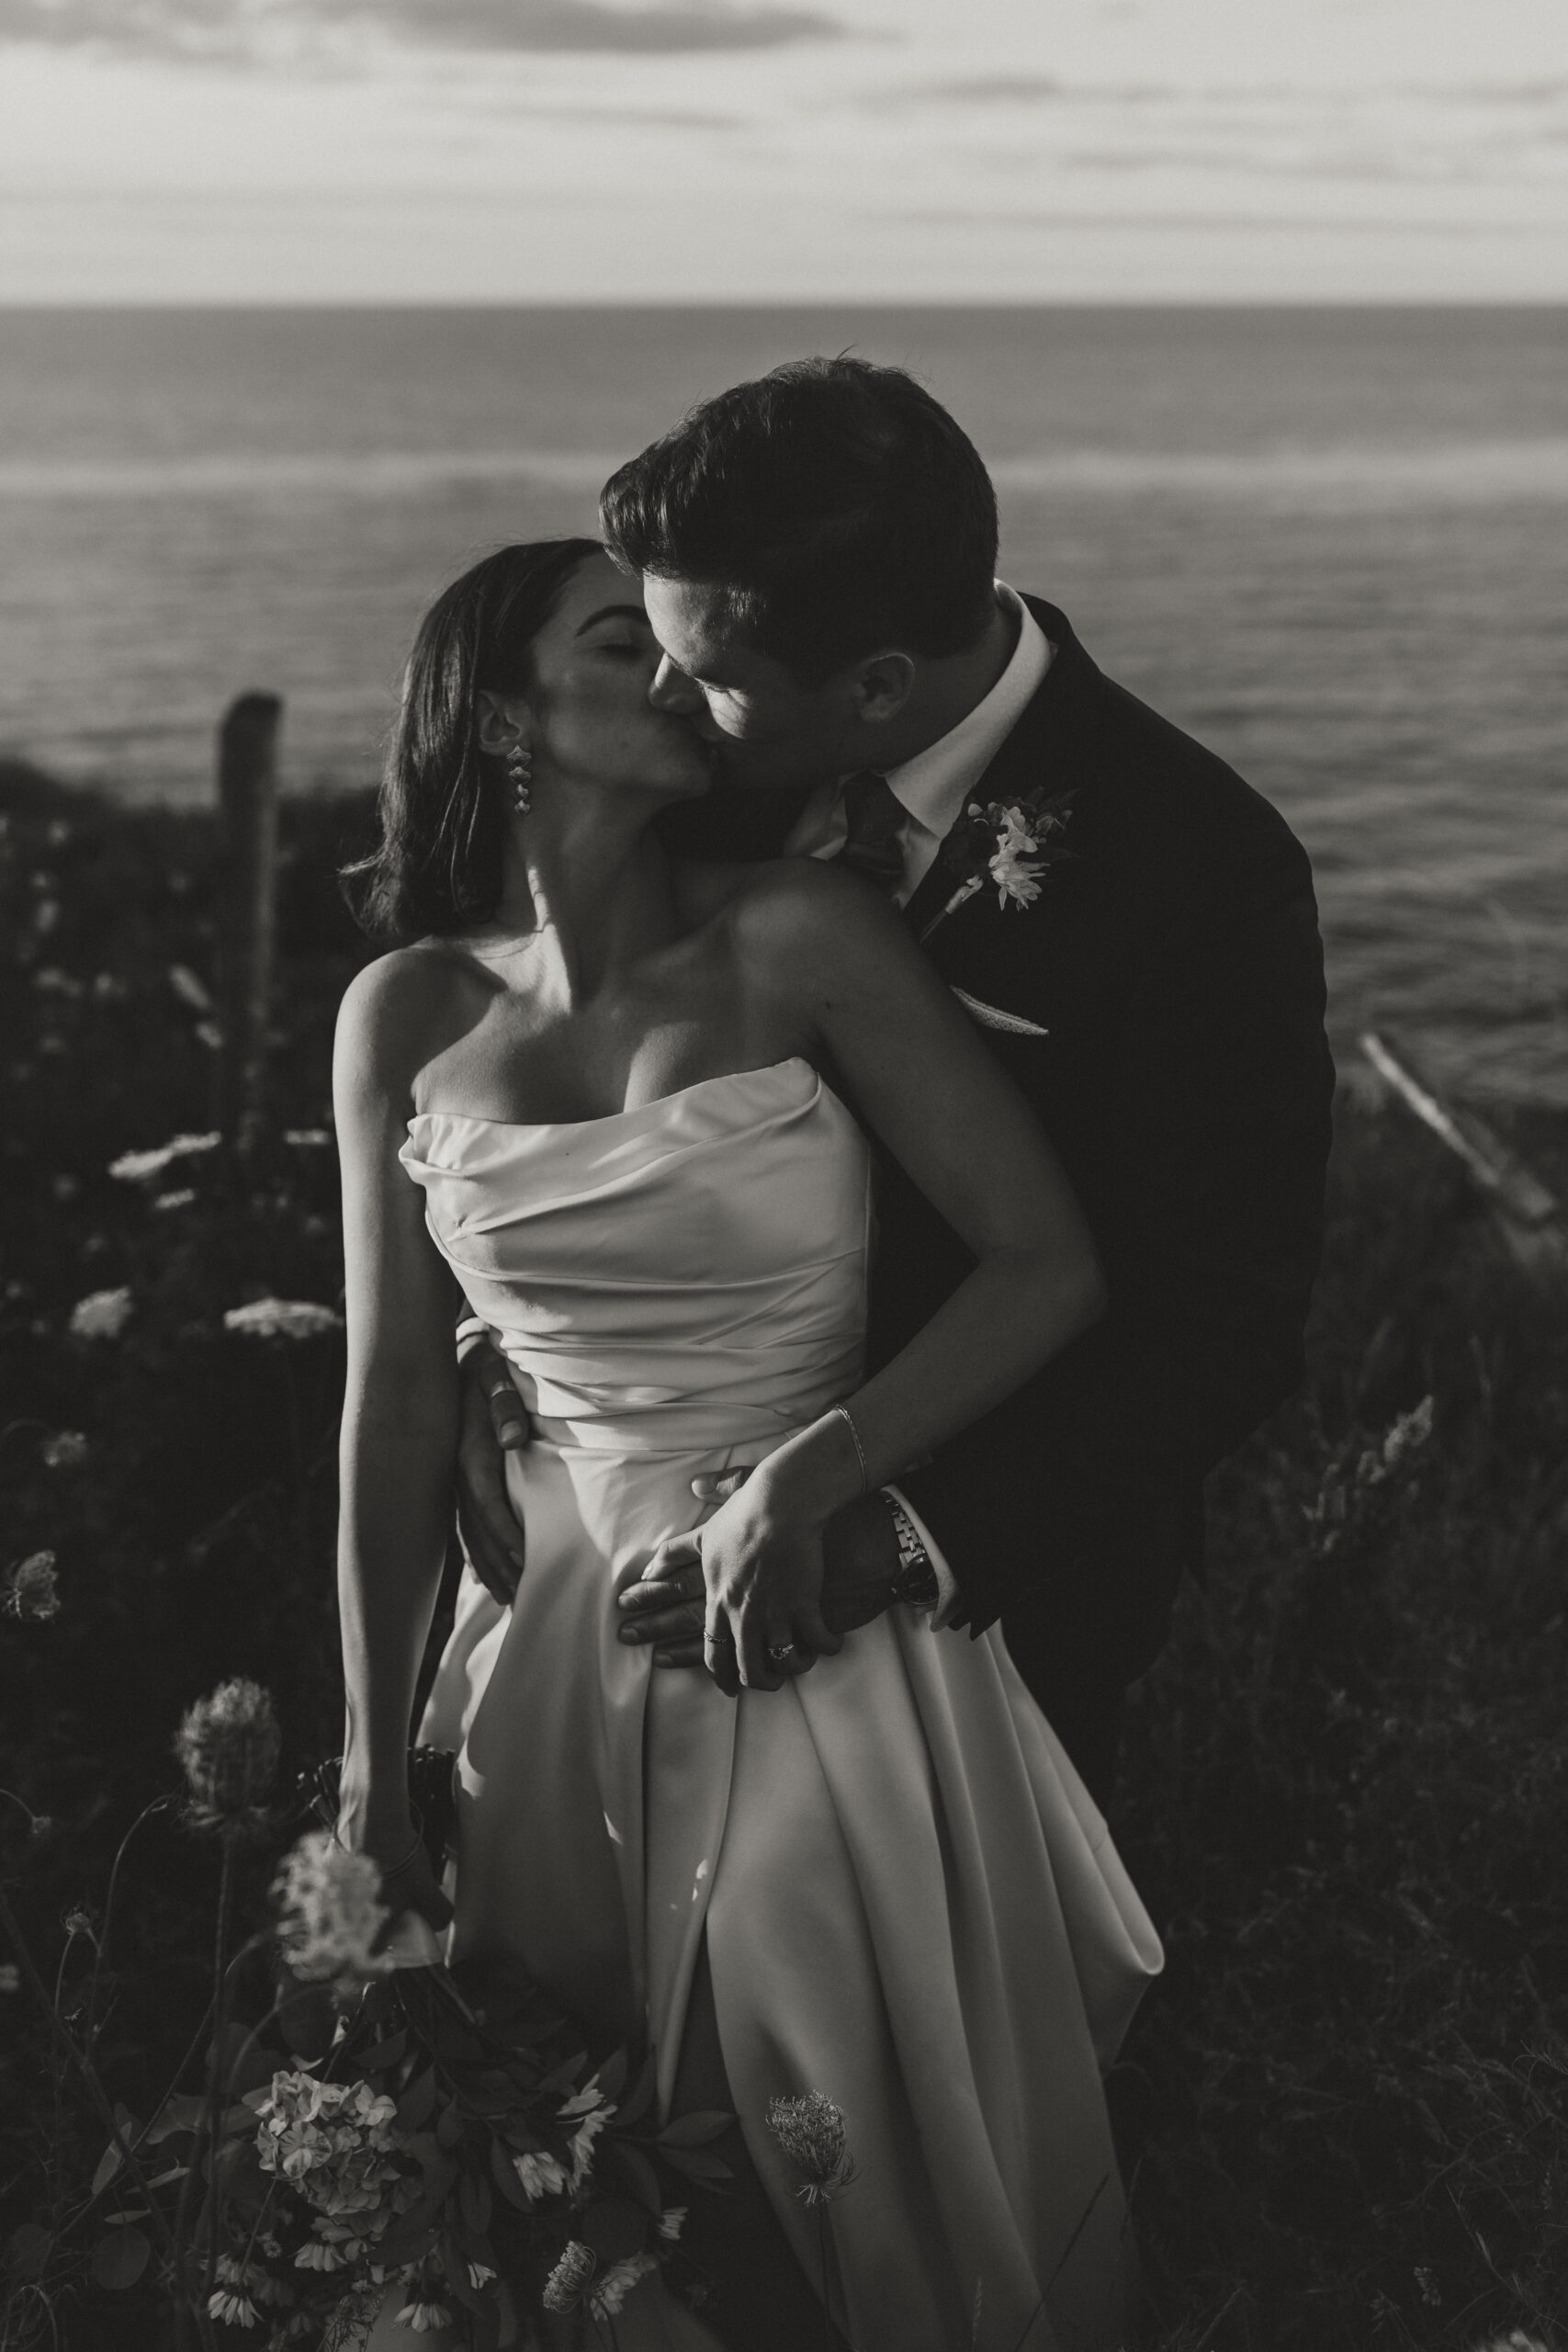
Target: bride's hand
point(763, 1576)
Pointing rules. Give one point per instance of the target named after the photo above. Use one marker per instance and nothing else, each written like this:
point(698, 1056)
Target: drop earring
point(519, 768)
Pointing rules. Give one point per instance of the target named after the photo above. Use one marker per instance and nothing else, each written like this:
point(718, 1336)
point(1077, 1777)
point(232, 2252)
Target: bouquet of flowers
point(439, 2139)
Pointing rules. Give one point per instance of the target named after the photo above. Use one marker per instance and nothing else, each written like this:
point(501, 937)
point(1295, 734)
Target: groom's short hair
point(836, 506)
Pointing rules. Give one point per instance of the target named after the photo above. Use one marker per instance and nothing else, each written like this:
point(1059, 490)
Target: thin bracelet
point(399, 1868)
point(859, 1449)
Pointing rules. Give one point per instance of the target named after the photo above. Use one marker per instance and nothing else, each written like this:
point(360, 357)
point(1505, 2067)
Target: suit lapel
point(1051, 740)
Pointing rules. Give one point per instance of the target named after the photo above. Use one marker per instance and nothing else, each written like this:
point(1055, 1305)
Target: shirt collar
point(935, 784)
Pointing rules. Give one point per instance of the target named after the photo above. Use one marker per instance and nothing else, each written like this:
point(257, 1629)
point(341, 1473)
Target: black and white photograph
point(784, 1201)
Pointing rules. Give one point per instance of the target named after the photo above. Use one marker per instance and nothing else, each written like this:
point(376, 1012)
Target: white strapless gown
point(910, 1901)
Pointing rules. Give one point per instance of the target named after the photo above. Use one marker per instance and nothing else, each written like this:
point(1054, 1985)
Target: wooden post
point(247, 807)
point(1526, 1214)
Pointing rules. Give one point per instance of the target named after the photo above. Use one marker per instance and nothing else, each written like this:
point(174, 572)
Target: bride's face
point(590, 720)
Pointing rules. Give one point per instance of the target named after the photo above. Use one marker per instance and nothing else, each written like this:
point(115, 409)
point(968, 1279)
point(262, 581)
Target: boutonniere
point(1009, 844)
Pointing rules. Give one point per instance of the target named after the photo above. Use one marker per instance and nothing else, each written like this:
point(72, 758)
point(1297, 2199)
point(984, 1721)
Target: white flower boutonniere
point(1011, 843)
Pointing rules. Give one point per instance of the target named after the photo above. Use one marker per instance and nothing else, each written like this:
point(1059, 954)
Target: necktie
point(874, 814)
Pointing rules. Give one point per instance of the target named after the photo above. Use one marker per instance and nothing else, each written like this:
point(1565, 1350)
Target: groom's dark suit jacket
point(1185, 1081)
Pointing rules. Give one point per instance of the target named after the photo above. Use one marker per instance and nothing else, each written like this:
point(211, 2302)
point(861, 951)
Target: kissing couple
point(866, 1074)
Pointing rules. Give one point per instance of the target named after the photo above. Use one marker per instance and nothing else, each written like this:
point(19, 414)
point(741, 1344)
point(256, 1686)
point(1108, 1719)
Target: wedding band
point(779, 1651)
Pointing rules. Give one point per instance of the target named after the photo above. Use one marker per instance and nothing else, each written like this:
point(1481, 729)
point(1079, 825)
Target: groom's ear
point(499, 721)
point(882, 683)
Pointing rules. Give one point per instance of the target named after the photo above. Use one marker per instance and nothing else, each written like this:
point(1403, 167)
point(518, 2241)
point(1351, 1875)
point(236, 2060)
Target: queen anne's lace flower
point(810, 2131)
point(228, 1744)
point(282, 1318)
point(32, 1588)
point(102, 1314)
point(330, 1911)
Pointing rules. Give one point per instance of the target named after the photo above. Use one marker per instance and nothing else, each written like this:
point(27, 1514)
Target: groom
point(1131, 927)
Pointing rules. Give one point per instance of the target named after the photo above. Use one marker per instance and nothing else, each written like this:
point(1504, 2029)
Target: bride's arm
point(400, 1423)
point(875, 1012)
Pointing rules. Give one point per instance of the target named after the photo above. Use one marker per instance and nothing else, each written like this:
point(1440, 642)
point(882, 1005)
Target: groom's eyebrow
point(614, 613)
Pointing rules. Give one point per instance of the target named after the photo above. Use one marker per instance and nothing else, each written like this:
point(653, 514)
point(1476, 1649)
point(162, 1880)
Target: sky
point(475, 151)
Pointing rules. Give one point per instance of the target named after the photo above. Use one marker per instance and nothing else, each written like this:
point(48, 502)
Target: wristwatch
point(914, 1581)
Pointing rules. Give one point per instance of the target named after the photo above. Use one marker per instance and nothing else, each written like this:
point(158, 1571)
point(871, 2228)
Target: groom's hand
point(493, 1423)
point(860, 1555)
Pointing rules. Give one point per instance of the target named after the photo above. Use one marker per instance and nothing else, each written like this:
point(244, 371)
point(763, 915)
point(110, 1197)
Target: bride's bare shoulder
point(401, 1010)
point(790, 905)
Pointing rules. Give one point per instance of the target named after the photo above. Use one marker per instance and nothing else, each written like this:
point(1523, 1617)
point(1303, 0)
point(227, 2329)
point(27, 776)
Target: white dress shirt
point(931, 790)
point(932, 787)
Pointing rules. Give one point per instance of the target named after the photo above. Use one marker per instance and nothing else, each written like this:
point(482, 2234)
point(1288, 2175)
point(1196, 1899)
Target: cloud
point(248, 29)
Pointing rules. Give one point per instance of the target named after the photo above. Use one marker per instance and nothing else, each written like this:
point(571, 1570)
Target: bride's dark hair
point(437, 865)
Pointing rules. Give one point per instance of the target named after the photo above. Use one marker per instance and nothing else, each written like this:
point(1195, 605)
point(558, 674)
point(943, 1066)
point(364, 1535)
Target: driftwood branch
point(1526, 1214)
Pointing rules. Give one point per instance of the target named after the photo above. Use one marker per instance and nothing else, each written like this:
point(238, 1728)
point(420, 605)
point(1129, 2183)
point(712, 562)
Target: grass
point(1346, 1790)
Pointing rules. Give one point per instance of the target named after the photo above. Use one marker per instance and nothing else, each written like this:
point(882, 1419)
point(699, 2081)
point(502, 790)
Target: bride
point(625, 1101)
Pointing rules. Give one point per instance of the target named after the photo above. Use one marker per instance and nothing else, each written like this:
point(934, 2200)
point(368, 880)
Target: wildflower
point(209, 1034)
point(188, 988)
point(810, 2131)
point(102, 1314)
point(282, 1318)
point(423, 2318)
point(235, 2310)
point(330, 1911)
point(541, 2175)
point(180, 1198)
point(137, 1167)
point(10, 1977)
point(77, 1922)
point(672, 2221)
point(606, 2294)
point(480, 2275)
point(1409, 1432)
point(334, 2143)
point(595, 2110)
point(564, 2287)
point(228, 1744)
point(66, 1450)
point(307, 1138)
point(32, 1588)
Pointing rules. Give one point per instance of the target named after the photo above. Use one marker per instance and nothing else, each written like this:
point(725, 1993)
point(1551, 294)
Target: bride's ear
point(502, 722)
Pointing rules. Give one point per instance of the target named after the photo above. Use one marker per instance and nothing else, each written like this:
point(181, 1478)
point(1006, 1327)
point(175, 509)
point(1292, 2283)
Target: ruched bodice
point(687, 1274)
point(908, 1900)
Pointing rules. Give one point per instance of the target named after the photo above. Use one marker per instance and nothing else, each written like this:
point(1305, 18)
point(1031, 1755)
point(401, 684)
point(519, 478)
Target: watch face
point(916, 1585)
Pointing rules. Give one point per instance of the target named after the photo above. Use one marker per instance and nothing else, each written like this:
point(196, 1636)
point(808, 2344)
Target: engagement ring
point(779, 1651)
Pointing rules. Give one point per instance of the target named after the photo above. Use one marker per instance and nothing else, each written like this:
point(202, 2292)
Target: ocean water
point(1333, 544)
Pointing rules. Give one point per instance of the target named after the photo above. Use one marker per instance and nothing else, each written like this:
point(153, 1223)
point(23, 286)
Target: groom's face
point(769, 727)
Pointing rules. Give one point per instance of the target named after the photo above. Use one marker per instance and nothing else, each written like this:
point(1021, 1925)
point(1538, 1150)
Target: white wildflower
point(424, 2318)
point(188, 988)
point(180, 1198)
point(102, 1314)
point(66, 1450)
point(541, 2175)
point(1411, 1431)
point(137, 1167)
point(610, 2290)
point(591, 2104)
point(282, 1318)
point(307, 1138)
point(32, 1588)
point(10, 1976)
point(480, 2275)
point(209, 1034)
point(672, 2221)
point(331, 1912)
point(810, 2131)
point(564, 2287)
point(228, 1744)
point(235, 2310)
